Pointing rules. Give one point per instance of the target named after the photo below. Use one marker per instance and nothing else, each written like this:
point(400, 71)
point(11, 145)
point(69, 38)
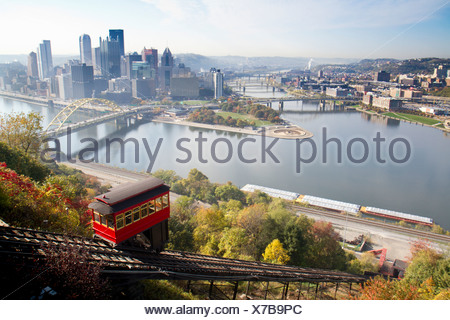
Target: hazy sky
point(292, 28)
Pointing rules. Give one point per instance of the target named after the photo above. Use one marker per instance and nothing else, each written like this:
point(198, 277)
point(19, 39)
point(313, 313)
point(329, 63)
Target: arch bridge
point(87, 103)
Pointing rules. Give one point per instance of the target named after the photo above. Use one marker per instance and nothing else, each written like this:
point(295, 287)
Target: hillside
point(393, 66)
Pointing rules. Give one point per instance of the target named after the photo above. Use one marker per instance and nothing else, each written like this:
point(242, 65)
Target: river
point(419, 186)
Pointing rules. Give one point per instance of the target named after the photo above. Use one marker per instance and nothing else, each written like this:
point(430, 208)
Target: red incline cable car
point(141, 208)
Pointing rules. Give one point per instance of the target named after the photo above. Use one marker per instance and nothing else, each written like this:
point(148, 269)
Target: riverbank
point(30, 99)
point(282, 132)
point(398, 117)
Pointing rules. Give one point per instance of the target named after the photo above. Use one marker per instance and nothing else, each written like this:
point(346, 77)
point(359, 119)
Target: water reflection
point(379, 119)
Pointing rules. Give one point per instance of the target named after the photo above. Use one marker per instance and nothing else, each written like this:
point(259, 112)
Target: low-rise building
point(432, 111)
point(386, 103)
point(382, 76)
point(412, 94)
point(336, 92)
point(363, 87)
point(396, 92)
point(368, 99)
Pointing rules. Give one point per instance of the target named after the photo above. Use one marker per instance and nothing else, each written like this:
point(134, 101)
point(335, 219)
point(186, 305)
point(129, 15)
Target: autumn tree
point(210, 223)
point(382, 289)
point(275, 253)
point(324, 250)
point(426, 277)
point(251, 220)
point(44, 206)
point(22, 131)
point(71, 273)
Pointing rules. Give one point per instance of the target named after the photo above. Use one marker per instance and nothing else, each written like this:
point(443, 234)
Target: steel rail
point(136, 262)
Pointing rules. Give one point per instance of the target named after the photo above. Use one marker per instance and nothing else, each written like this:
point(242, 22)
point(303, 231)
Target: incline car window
point(151, 206)
point(144, 210)
point(110, 222)
point(119, 221)
point(103, 220)
point(136, 216)
point(158, 203)
point(128, 218)
point(165, 200)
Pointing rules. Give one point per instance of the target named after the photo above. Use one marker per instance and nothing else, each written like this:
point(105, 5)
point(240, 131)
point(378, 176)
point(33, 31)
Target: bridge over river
point(61, 125)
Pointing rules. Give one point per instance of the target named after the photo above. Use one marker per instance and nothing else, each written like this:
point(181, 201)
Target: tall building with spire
point(166, 70)
point(45, 60)
point(32, 65)
point(85, 49)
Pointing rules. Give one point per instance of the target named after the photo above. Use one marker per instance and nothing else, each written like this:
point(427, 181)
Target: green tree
point(229, 192)
point(168, 176)
point(295, 238)
point(427, 263)
point(196, 175)
point(367, 262)
point(23, 163)
point(73, 186)
point(275, 253)
point(181, 227)
point(258, 197)
point(233, 243)
point(22, 131)
point(437, 229)
point(232, 207)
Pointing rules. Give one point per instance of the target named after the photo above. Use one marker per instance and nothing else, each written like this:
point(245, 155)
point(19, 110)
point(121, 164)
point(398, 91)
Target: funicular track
point(132, 263)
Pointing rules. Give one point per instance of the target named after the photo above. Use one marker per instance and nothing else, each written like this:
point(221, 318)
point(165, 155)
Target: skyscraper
point(151, 56)
point(166, 69)
point(97, 59)
point(45, 61)
point(82, 81)
point(110, 58)
point(127, 63)
point(32, 65)
point(218, 83)
point(85, 49)
point(117, 35)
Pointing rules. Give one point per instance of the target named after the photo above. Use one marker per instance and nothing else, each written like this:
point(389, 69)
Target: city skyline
point(327, 28)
